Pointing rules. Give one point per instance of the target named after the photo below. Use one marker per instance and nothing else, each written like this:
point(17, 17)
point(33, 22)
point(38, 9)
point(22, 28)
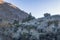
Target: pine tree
point(30, 17)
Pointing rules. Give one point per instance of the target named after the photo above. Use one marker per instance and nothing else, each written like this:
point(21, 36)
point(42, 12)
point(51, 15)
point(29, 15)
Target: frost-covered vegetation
point(35, 29)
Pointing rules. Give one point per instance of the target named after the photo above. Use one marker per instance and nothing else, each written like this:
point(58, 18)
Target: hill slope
point(10, 12)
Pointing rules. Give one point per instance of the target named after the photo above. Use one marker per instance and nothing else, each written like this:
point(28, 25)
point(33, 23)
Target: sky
point(38, 7)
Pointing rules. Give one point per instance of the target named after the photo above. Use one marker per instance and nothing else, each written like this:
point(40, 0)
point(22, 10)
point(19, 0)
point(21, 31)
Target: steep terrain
point(10, 12)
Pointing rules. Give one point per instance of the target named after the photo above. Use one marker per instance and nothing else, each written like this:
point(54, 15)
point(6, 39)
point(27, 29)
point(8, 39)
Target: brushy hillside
point(16, 24)
point(45, 28)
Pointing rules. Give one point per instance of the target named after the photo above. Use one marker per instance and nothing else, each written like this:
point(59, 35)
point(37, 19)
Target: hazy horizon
point(38, 7)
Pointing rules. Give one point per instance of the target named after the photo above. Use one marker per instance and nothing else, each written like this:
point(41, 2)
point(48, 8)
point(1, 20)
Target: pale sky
point(38, 7)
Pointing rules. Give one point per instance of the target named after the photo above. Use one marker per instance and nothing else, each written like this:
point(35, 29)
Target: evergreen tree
point(16, 22)
point(30, 17)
